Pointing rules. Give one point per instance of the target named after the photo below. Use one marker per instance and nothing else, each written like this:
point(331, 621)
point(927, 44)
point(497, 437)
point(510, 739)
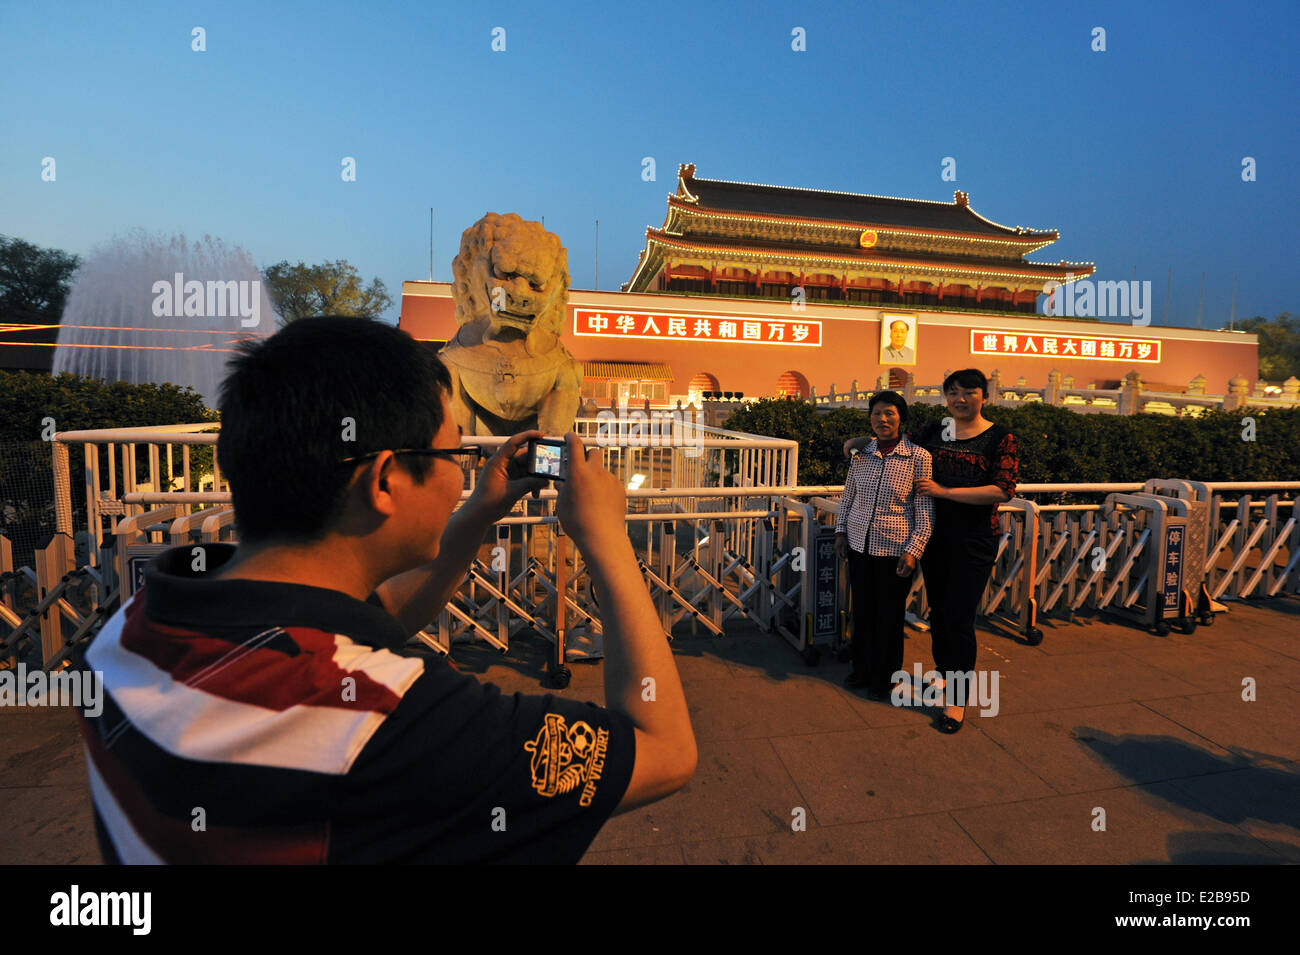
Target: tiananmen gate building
point(768, 290)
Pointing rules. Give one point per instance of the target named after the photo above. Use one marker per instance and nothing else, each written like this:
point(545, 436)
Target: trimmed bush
point(1059, 446)
point(75, 404)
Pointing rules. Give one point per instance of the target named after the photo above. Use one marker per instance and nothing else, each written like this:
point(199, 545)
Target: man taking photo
point(261, 705)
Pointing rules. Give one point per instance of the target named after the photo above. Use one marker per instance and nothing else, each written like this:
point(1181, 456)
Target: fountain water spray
point(147, 308)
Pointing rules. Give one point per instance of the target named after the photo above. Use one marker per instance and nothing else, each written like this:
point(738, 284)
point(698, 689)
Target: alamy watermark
point(949, 688)
point(1088, 299)
point(626, 427)
point(80, 688)
point(129, 909)
point(211, 299)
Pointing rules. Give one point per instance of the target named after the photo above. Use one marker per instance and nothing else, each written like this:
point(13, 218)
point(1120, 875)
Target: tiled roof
point(840, 206)
point(627, 370)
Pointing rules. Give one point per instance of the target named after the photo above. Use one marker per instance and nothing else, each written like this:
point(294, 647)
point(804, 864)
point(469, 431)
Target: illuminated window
point(637, 391)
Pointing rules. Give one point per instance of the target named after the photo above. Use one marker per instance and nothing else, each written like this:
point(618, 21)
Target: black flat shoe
point(855, 682)
point(949, 725)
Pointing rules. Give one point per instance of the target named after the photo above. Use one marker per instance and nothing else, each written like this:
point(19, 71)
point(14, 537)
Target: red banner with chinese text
point(678, 326)
point(987, 341)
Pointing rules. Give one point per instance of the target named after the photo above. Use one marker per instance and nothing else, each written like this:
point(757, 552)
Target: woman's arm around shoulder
point(920, 506)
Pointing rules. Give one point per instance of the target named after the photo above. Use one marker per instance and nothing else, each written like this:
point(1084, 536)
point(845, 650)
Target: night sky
point(1134, 154)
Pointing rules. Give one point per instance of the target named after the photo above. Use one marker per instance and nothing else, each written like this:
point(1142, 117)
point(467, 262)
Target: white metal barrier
point(712, 552)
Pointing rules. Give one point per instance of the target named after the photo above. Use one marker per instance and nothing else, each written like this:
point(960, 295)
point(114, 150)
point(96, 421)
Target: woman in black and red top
point(975, 469)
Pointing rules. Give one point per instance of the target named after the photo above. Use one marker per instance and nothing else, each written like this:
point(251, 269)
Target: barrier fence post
point(559, 671)
point(8, 598)
point(502, 545)
point(53, 561)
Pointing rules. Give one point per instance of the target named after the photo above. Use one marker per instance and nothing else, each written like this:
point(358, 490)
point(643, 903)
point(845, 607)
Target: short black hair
point(968, 378)
point(889, 397)
point(318, 391)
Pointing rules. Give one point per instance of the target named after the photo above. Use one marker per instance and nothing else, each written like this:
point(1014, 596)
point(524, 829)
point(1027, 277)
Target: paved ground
point(1152, 730)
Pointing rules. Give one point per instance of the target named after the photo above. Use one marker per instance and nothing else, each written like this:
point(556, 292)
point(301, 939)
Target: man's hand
point(858, 443)
point(504, 479)
point(906, 566)
point(592, 502)
point(930, 488)
point(841, 546)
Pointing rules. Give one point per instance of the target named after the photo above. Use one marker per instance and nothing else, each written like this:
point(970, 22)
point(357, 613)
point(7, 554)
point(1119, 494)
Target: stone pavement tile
point(750, 652)
point(884, 713)
point(1264, 731)
point(874, 713)
point(1101, 747)
point(1148, 824)
point(740, 788)
point(1273, 624)
point(40, 746)
point(1263, 801)
point(641, 855)
point(1221, 666)
point(933, 839)
point(1035, 685)
point(1286, 644)
point(761, 708)
point(697, 660)
point(48, 825)
point(862, 775)
point(1089, 634)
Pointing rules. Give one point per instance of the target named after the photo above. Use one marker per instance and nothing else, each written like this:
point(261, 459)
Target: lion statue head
point(511, 280)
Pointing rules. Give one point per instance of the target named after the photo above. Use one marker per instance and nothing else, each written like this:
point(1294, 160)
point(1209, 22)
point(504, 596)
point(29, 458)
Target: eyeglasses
point(469, 453)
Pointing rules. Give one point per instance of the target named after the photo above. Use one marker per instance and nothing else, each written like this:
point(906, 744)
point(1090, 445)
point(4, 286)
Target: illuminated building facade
point(742, 239)
point(766, 290)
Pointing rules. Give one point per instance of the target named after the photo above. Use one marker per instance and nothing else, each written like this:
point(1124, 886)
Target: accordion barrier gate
point(730, 537)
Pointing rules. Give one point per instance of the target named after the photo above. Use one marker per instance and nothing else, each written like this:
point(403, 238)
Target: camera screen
point(546, 460)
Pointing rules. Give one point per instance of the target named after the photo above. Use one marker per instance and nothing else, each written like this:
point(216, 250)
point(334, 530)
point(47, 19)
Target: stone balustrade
point(1129, 398)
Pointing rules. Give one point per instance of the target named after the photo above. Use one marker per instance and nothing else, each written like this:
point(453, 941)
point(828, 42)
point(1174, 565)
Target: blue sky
point(1134, 155)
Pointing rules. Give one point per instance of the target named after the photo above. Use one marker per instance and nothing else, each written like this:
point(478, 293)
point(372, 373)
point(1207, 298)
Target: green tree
point(1279, 345)
point(332, 288)
point(34, 282)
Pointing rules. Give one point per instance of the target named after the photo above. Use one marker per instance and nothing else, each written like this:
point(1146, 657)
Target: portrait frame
point(888, 356)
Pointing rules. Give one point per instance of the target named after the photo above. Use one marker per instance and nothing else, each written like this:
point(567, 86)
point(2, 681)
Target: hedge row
point(1061, 446)
point(75, 403)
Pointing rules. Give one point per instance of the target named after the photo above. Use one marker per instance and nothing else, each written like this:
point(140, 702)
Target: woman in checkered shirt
point(883, 527)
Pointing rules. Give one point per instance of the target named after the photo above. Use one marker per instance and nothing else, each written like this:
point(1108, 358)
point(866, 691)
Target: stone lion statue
point(509, 369)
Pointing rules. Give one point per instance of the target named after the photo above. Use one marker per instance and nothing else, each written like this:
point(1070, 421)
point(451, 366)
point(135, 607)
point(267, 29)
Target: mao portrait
point(897, 339)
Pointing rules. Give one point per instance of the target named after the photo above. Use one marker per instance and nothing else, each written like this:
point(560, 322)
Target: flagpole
point(1169, 285)
point(1200, 306)
point(1232, 316)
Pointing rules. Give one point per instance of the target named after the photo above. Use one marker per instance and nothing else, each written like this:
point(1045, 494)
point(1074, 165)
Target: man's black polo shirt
point(248, 721)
